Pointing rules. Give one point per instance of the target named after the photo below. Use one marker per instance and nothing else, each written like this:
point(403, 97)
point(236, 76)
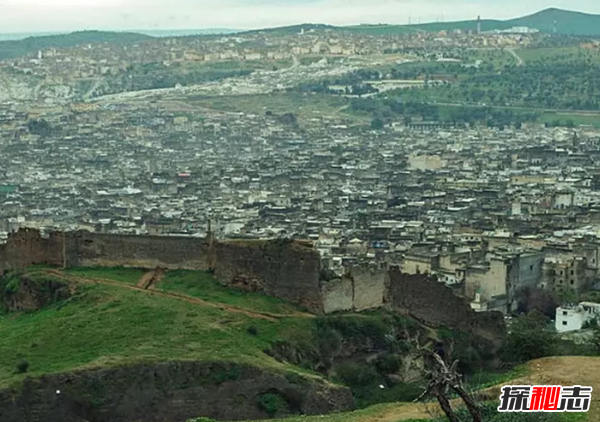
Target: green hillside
point(18, 48)
point(59, 321)
point(567, 22)
point(108, 325)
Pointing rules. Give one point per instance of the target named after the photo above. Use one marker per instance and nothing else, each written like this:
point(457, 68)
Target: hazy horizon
point(50, 16)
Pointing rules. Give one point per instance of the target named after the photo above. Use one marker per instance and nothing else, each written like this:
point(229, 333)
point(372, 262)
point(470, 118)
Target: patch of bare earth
point(151, 279)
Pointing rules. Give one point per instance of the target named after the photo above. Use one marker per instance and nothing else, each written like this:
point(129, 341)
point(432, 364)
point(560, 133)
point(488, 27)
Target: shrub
point(388, 364)
point(252, 330)
point(22, 366)
point(530, 338)
point(222, 374)
point(358, 375)
point(296, 379)
point(271, 403)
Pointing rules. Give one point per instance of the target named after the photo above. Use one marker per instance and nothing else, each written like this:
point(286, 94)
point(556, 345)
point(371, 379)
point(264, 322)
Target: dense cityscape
point(383, 150)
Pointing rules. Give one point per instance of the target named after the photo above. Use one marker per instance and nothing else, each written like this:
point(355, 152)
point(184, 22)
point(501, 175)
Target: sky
point(18, 16)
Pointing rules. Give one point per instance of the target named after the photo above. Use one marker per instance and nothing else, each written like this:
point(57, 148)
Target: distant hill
point(18, 48)
point(293, 29)
point(185, 32)
point(567, 23)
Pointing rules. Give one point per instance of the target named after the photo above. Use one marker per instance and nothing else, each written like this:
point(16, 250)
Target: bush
point(388, 364)
point(271, 403)
point(355, 328)
point(252, 330)
point(296, 379)
point(358, 375)
point(530, 338)
point(223, 374)
point(22, 366)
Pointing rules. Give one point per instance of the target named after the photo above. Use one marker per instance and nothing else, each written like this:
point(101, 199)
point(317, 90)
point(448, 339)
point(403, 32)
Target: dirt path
point(189, 299)
point(141, 288)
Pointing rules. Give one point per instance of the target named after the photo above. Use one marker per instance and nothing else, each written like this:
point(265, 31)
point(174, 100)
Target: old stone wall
point(27, 247)
point(338, 295)
point(108, 250)
point(434, 304)
point(283, 269)
point(369, 287)
point(427, 300)
point(361, 288)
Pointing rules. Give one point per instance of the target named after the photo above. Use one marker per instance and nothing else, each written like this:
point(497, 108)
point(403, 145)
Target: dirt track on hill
point(144, 288)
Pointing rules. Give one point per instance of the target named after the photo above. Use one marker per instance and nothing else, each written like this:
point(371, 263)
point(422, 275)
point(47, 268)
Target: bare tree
point(442, 380)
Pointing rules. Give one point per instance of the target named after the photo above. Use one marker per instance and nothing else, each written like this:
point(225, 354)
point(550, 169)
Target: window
point(565, 313)
point(572, 282)
point(564, 322)
point(572, 272)
point(531, 268)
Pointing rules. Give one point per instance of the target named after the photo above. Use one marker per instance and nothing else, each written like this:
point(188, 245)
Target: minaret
point(478, 25)
point(554, 27)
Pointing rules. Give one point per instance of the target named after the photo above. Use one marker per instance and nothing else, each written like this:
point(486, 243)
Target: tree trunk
point(445, 405)
point(469, 402)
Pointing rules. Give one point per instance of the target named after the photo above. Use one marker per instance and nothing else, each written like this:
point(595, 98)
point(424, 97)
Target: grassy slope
point(109, 325)
point(106, 325)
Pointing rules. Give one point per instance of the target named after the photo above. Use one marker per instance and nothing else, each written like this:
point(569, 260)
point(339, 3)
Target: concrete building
point(573, 318)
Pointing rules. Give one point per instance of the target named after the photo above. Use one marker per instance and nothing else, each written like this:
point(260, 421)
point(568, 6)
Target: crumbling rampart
point(284, 269)
point(288, 270)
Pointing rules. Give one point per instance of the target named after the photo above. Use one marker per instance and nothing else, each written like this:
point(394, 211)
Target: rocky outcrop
point(170, 392)
point(20, 293)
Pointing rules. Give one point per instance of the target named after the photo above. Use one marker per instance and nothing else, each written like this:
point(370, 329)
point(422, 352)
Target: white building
point(573, 318)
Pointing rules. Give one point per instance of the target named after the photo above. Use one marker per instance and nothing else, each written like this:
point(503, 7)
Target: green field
point(125, 275)
point(558, 54)
point(105, 325)
point(304, 106)
point(203, 286)
point(577, 119)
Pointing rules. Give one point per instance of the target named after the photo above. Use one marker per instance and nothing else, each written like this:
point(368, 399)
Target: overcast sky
point(69, 15)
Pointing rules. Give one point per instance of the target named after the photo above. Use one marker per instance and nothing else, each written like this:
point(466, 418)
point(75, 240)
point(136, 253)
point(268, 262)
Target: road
point(512, 52)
